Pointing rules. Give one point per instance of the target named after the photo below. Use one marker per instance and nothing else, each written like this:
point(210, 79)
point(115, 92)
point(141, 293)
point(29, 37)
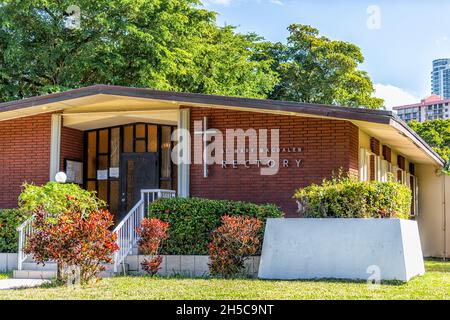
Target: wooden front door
point(138, 171)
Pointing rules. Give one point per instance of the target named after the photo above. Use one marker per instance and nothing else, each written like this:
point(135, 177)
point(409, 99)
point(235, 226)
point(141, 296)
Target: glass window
point(103, 190)
point(140, 131)
point(152, 138)
point(91, 186)
point(141, 146)
point(128, 139)
point(103, 141)
point(102, 162)
point(165, 151)
point(92, 155)
point(115, 147)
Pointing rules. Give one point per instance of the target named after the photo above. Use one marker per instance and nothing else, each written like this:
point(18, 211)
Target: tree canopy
point(170, 45)
point(161, 44)
point(315, 69)
point(436, 133)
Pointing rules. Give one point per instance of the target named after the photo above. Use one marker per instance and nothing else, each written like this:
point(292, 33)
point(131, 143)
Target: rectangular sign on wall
point(74, 171)
point(102, 174)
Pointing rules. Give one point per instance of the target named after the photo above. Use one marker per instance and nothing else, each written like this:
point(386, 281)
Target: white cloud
point(394, 96)
point(277, 2)
point(218, 2)
point(226, 3)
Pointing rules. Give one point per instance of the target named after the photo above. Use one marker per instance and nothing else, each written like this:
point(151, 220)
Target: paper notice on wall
point(113, 172)
point(102, 174)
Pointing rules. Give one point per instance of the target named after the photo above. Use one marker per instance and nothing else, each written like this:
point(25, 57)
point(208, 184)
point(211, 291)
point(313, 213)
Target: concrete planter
point(385, 249)
point(186, 265)
point(8, 261)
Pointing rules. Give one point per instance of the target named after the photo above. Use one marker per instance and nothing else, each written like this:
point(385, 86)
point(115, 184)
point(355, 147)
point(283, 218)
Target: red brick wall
point(327, 146)
point(24, 155)
point(72, 141)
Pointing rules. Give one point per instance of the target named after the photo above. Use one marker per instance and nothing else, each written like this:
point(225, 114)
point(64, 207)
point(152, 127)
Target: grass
point(5, 275)
point(435, 284)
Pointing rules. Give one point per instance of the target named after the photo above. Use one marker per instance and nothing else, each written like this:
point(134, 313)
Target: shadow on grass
point(240, 278)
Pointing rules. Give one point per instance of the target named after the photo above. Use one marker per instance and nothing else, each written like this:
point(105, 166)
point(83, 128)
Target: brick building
point(117, 141)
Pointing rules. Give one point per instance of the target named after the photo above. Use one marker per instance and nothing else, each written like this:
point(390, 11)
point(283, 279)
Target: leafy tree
point(436, 133)
point(229, 63)
point(315, 69)
point(170, 45)
point(73, 240)
point(161, 44)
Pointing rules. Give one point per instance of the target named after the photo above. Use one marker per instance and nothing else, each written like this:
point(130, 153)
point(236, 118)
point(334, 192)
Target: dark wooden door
point(137, 171)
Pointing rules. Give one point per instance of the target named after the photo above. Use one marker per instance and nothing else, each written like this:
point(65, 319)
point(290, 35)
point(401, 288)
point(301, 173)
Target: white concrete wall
point(186, 265)
point(304, 248)
point(8, 262)
point(434, 211)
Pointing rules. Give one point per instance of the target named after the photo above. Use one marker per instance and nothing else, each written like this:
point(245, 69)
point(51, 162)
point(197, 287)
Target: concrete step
point(49, 266)
point(110, 268)
point(32, 270)
point(106, 274)
point(34, 274)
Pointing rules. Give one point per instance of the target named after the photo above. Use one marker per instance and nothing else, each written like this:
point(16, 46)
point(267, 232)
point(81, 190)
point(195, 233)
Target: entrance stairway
point(127, 238)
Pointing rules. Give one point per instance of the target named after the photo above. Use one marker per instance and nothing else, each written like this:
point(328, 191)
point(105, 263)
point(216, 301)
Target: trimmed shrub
point(191, 220)
point(152, 232)
point(53, 198)
point(347, 197)
point(74, 240)
point(232, 243)
point(10, 220)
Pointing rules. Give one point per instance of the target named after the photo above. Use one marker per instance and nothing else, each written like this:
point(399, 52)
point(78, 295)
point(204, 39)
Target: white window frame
point(377, 168)
point(403, 176)
point(394, 170)
point(385, 169)
point(415, 195)
point(364, 165)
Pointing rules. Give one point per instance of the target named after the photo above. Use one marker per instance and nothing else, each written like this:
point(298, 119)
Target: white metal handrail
point(126, 230)
point(25, 231)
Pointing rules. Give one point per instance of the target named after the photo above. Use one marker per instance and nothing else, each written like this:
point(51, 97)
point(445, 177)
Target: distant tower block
point(440, 78)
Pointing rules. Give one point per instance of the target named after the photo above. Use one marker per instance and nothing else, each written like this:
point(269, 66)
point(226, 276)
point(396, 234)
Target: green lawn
point(435, 284)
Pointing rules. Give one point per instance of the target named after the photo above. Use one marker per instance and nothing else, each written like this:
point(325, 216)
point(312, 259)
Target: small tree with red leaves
point(152, 232)
point(73, 239)
point(232, 243)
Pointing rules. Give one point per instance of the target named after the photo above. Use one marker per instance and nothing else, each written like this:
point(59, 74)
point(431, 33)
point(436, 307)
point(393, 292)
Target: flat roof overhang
point(123, 103)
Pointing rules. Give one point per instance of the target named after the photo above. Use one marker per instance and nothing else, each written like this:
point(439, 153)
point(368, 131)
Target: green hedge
point(10, 219)
point(350, 198)
point(191, 220)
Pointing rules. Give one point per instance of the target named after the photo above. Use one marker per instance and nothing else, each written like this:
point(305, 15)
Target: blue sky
point(398, 54)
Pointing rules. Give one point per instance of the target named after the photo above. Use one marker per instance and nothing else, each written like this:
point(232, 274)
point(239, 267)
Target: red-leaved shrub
point(152, 232)
point(73, 239)
point(232, 243)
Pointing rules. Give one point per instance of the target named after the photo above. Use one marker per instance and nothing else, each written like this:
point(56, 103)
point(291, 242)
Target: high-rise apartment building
point(440, 78)
point(431, 108)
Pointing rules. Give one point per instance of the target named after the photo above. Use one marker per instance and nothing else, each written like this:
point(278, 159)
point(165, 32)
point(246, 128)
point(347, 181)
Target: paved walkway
point(21, 283)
